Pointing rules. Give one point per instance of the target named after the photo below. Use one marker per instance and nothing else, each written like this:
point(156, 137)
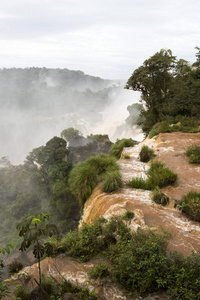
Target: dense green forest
point(170, 91)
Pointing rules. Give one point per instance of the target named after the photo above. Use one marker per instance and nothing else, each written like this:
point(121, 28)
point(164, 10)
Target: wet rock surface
point(169, 148)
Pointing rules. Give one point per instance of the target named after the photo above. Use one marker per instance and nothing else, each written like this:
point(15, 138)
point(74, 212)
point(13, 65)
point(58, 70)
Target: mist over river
point(38, 103)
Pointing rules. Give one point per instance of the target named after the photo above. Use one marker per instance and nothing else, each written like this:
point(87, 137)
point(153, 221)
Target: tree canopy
point(169, 87)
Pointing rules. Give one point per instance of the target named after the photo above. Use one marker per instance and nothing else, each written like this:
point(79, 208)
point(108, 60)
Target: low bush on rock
point(85, 176)
point(21, 293)
point(112, 181)
point(179, 123)
point(117, 148)
point(146, 154)
point(158, 176)
point(190, 205)
point(159, 197)
point(99, 271)
point(193, 152)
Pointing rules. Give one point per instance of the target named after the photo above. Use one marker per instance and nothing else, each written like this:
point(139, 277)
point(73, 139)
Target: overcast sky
point(105, 38)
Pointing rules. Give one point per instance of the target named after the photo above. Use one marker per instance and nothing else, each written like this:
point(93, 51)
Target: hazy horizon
point(37, 104)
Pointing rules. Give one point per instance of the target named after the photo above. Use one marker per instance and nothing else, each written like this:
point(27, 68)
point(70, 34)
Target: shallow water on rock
point(170, 149)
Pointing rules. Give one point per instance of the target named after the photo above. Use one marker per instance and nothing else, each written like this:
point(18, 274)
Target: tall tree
point(153, 80)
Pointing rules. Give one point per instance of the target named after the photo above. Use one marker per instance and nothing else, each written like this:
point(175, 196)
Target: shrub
point(153, 132)
point(146, 154)
point(82, 181)
point(193, 152)
point(15, 266)
point(190, 205)
point(138, 263)
point(101, 163)
point(117, 148)
point(82, 293)
point(99, 271)
point(85, 176)
point(158, 176)
point(92, 239)
point(49, 286)
point(179, 123)
point(21, 294)
point(112, 181)
point(139, 183)
point(128, 215)
point(126, 156)
point(159, 197)
point(183, 277)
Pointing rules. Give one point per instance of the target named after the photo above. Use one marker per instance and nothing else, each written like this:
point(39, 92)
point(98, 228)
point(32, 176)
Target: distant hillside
point(37, 103)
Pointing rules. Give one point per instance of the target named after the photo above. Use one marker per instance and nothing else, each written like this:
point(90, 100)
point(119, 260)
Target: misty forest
point(62, 134)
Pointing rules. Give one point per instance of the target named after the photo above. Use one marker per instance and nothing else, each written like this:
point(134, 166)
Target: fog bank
point(38, 103)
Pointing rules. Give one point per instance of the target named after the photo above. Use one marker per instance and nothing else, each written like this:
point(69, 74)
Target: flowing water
point(185, 233)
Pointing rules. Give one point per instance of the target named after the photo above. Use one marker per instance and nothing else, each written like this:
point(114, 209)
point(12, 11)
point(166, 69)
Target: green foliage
point(99, 137)
point(159, 197)
point(4, 286)
point(85, 176)
point(49, 286)
point(117, 148)
point(193, 152)
point(70, 134)
point(128, 215)
point(139, 262)
point(140, 183)
point(126, 156)
point(15, 266)
point(32, 230)
point(21, 294)
point(158, 176)
point(112, 181)
point(86, 294)
point(146, 154)
point(169, 88)
point(102, 163)
point(99, 271)
point(178, 123)
point(82, 294)
point(184, 277)
point(82, 181)
point(91, 239)
point(190, 205)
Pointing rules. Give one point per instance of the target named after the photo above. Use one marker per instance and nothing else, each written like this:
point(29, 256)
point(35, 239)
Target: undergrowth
point(139, 261)
point(190, 205)
point(146, 154)
point(157, 176)
point(116, 149)
point(159, 197)
point(179, 123)
point(193, 152)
